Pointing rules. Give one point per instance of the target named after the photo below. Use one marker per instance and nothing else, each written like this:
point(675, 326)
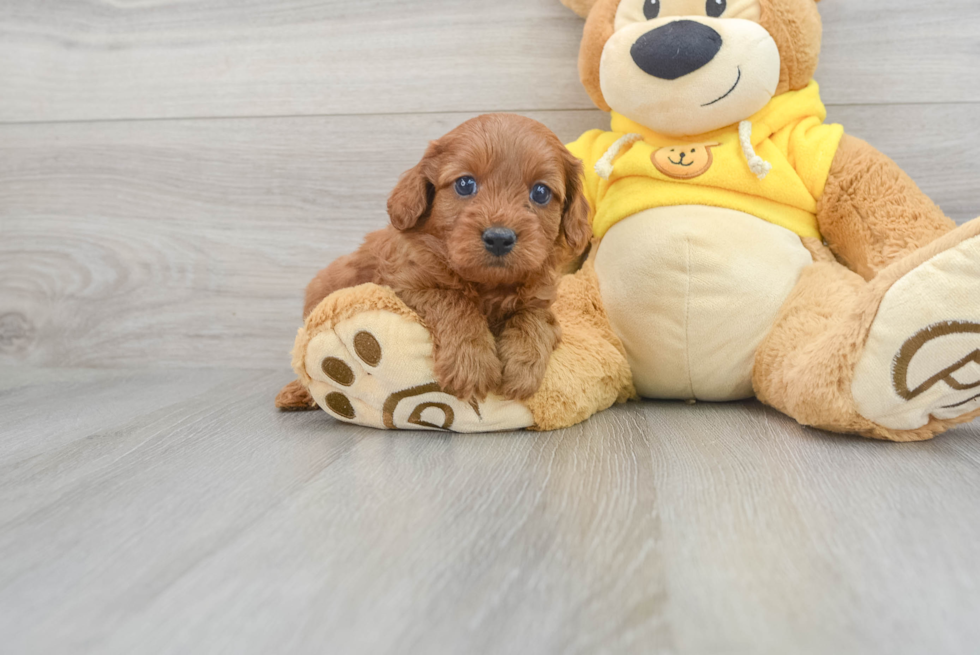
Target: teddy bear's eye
point(716, 8)
point(651, 8)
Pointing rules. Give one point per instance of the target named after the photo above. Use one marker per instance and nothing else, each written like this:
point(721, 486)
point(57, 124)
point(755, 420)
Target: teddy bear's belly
point(692, 291)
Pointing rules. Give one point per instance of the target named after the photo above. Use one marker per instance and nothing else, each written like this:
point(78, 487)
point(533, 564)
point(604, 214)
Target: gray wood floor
point(171, 175)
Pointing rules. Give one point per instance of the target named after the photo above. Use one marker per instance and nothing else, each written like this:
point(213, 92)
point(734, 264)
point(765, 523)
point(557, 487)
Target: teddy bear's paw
point(376, 369)
point(922, 357)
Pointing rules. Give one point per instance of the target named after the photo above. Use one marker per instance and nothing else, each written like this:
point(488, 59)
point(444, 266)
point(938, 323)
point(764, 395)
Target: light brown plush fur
point(797, 30)
point(599, 27)
point(872, 213)
point(490, 316)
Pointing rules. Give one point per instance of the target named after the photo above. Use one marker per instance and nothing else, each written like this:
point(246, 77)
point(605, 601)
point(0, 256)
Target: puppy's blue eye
point(716, 8)
point(651, 9)
point(465, 186)
point(540, 194)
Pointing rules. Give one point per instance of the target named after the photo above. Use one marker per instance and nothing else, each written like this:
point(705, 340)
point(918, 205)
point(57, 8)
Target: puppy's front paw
point(468, 371)
point(520, 381)
point(525, 348)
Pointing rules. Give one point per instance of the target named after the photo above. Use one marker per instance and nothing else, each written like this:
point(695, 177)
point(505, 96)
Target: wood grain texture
point(904, 51)
point(189, 243)
point(67, 60)
point(798, 541)
point(45, 410)
point(97, 61)
point(227, 527)
point(214, 524)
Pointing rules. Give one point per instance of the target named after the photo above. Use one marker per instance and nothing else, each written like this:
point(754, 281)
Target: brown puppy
point(481, 230)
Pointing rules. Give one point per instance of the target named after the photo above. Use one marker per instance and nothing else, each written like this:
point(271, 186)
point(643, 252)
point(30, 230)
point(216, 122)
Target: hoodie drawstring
point(757, 164)
point(604, 167)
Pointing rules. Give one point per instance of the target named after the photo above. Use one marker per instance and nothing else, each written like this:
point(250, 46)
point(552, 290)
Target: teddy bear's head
point(687, 67)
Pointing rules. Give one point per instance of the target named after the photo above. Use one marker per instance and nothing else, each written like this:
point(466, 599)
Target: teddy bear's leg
point(588, 372)
point(897, 357)
point(366, 359)
point(872, 213)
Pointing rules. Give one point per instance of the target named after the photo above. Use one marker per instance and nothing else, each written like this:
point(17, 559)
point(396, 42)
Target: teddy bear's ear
point(581, 7)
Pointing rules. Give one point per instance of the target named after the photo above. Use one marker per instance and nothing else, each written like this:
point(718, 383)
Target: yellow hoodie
point(714, 169)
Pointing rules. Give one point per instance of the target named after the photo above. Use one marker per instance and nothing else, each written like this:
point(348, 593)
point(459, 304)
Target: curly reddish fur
point(490, 317)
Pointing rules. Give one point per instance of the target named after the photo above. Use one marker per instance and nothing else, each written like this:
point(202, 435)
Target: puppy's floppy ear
point(413, 195)
point(575, 223)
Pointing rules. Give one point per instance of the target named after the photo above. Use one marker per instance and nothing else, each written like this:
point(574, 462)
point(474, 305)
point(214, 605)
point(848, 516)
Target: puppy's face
point(497, 198)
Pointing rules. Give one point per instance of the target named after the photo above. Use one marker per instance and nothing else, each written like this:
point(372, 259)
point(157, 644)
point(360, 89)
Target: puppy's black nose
point(676, 49)
point(499, 241)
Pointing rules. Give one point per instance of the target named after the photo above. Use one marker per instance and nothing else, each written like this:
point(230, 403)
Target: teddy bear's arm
point(872, 213)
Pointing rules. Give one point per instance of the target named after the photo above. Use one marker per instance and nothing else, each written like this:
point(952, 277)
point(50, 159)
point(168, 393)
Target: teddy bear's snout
point(676, 49)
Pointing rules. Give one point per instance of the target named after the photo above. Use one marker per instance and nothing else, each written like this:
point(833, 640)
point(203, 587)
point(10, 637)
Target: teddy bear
point(743, 247)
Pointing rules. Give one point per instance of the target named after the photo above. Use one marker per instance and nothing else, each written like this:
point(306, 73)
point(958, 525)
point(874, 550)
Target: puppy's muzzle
point(676, 49)
point(499, 241)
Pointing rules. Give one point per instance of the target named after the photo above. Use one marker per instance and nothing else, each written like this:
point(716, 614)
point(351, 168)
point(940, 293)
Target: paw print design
point(375, 368)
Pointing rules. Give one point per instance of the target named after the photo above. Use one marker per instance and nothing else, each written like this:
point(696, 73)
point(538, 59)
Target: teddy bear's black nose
point(676, 49)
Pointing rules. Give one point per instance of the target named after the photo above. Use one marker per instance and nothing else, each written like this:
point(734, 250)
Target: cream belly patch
point(692, 291)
